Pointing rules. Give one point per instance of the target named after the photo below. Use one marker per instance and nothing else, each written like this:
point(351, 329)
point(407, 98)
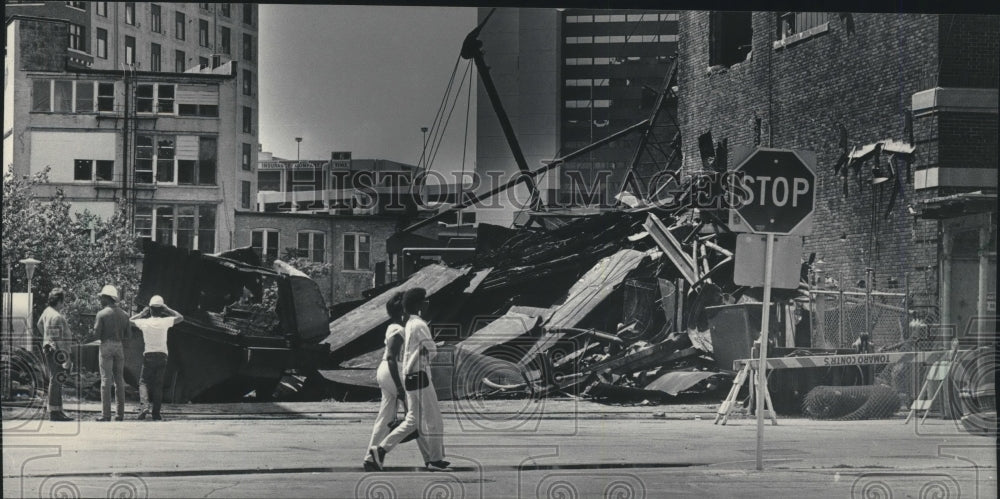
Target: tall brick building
point(837, 82)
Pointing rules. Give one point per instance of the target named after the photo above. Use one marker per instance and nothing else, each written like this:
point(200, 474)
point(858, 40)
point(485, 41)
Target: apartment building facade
point(167, 143)
point(169, 37)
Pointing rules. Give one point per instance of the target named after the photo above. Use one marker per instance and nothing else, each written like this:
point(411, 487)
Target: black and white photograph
point(500, 250)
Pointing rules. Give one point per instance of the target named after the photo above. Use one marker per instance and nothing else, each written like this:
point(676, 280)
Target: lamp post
point(29, 269)
point(298, 158)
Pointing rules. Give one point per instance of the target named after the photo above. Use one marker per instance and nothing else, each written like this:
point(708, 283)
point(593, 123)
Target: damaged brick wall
point(859, 70)
point(38, 52)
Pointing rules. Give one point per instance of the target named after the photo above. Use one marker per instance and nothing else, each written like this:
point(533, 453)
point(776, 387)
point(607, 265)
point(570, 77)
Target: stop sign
point(779, 191)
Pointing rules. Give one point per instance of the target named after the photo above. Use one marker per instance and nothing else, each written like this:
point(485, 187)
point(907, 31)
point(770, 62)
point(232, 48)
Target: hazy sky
point(361, 79)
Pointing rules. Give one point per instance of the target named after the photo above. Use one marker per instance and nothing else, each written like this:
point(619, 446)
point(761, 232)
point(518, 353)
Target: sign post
point(778, 192)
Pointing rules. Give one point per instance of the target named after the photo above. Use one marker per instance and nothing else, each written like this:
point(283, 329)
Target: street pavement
point(561, 449)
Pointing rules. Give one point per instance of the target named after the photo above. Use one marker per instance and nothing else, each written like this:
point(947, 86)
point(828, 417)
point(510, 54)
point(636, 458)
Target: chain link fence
point(840, 317)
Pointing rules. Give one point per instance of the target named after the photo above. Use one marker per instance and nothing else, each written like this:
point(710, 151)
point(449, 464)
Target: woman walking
point(388, 376)
point(423, 413)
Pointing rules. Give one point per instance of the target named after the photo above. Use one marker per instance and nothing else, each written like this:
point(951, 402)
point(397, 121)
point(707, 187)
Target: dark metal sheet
point(371, 315)
point(505, 328)
point(593, 288)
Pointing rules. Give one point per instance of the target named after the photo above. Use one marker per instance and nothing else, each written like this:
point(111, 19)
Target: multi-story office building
point(167, 143)
point(567, 78)
point(133, 38)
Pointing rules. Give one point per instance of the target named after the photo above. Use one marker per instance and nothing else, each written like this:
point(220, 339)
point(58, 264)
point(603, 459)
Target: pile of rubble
point(623, 306)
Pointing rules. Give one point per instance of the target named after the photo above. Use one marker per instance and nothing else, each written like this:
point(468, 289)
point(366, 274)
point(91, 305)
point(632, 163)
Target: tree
point(80, 253)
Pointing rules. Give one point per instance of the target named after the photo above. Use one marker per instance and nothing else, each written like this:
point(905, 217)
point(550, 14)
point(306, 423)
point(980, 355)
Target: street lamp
point(29, 269)
point(298, 159)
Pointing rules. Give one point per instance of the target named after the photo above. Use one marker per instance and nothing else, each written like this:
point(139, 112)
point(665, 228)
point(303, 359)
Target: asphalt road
point(498, 449)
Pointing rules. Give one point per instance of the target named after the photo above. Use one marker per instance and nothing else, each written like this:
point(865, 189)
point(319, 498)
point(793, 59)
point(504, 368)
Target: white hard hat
point(110, 292)
point(156, 301)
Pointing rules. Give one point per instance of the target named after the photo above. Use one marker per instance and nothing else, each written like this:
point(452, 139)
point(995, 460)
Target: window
point(154, 57)
point(269, 181)
point(247, 47)
point(67, 96)
point(265, 243)
point(159, 93)
point(245, 194)
point(101, 8)
point(179, 61)
point(155, 158)
point(130, 13)
point(224, 36)
point(102, 43)
point(247, 82)
point(88, 169)
point(106, 97)
point(77, 5)
point(179, 25)
point(730, 34)
point(84, 102)
point(357, 251)
point(77, 39)
point(205, 6)
point(791, 23)
point(207, 160)
point(312, 246)
point(224, 10)
point(200, 171)
point(155, 20)
point(129, 50)
point(165, 148)
point(203, 32)
point(248, 14)
point(247, 120)
point(184, 225)
point(246, 159)
point(203, 110)
point(203, 62)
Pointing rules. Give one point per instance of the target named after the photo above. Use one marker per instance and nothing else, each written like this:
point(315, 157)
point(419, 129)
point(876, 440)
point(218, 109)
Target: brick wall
point(342, 285)
point(38, 52)
point(970, 51)
point(861, 72)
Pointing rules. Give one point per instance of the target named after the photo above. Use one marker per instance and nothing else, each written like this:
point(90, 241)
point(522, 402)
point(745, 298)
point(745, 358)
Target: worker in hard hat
point(111, 327)
point(154, 321)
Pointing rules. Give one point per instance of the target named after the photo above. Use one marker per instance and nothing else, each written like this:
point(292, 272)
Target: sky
point(363, 79)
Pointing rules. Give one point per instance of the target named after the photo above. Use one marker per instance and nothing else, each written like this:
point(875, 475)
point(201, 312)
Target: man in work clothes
point(55, 346)
point(154, 321)
point(111, 326)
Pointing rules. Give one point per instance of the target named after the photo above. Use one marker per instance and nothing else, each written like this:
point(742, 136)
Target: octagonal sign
point(779, 191)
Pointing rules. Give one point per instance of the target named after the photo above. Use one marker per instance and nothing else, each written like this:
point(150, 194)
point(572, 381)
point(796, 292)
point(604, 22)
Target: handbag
point(416, 381)
point(396, 422)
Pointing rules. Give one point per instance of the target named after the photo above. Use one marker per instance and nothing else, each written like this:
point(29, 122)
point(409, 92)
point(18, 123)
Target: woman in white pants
point(388, 376)
point(423, 413)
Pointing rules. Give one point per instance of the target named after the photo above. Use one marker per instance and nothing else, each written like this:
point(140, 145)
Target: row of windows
point(183, 225)
point(78, 39)
point(69, 96)
point(571, 104)
point(101, 8)
point(587, 83)
point(156, 158)
point(621, 18)
point(597, 61)
point(356, 249)
point(621, 39)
